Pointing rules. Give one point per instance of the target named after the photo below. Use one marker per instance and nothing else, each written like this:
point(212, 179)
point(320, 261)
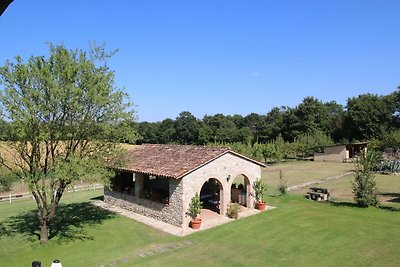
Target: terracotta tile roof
point(173, 161)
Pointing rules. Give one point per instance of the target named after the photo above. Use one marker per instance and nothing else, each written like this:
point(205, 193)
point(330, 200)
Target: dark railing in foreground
point(76, 188)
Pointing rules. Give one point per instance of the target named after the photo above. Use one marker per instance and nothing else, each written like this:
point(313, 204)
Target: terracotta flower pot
point(195, 223)
point(260, 205)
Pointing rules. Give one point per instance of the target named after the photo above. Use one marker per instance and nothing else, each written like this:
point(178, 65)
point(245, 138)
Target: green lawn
point(297, 233)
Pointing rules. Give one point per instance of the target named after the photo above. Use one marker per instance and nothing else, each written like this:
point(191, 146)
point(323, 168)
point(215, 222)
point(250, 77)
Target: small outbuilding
point(159, 181)
point(341, 152)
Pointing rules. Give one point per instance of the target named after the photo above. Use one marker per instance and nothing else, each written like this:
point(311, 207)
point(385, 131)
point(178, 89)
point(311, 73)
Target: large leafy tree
point(395, 98)
point(166, 131)
point(214, 124)
point(186, 128)
point(274, 121)
point(311, 116)
point(257, 124)
point(66, 112)
point(369, 116)
point(148, 132)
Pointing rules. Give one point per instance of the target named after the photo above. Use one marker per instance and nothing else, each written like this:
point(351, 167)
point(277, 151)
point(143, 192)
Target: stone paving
point(209, 219)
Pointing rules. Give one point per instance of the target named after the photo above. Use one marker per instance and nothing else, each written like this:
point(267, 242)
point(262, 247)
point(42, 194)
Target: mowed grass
point(297, 233)
point(93, 243)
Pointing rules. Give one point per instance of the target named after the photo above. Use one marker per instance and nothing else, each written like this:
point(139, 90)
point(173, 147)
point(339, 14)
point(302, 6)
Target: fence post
point(10, 198)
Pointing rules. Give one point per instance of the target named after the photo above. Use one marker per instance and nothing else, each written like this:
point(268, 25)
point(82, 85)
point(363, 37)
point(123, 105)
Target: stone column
point(223, 200)
point(176, 202)
point(249, 195)
point(138, 184)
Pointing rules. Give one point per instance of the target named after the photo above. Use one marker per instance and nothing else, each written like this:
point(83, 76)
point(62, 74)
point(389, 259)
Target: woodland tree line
point(297, 131)
point(364, 118)
point(281, 133)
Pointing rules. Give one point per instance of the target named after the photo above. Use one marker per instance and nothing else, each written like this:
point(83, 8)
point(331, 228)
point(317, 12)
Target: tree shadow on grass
point(344, 204)
point(389, 208)
point(354, 205)
point(98, 198)
point(70, 223)
point(390, 197)
point(395, 197)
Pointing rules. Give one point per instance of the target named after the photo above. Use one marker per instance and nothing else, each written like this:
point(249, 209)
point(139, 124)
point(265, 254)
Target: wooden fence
point(13, 197)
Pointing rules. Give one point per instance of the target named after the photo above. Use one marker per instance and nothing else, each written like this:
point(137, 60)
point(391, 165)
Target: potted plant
point(259, 189)
point(195, 207)
point(233, 210)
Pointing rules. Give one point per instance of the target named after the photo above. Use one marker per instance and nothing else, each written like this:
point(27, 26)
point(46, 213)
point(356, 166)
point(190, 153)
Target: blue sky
point(230, 57)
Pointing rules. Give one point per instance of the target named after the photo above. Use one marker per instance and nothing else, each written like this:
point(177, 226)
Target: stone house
point(159, 181)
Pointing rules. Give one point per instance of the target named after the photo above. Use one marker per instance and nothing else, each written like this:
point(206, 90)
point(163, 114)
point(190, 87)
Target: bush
point(389, 166)
point(195, 206)
point(233, 210)
point(282, 184)
point(364, 185)
point(259, 189)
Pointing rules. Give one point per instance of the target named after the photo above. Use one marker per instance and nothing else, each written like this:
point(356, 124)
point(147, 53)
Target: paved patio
point(209, 219)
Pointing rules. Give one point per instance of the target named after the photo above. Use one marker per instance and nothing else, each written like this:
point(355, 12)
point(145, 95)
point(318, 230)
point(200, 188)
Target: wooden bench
point(318, 194)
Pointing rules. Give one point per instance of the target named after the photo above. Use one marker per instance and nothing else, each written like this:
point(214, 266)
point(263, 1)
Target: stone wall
point(170, 213)
point(220, 168)
point(181, 191)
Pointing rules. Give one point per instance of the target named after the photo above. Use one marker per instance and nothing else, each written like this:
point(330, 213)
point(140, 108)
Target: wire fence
point(76, 188)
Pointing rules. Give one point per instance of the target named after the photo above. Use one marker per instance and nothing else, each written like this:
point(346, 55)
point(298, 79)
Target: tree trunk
point(45, 213)
point(44, 232)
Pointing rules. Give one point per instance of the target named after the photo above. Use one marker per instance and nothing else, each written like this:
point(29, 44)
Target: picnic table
point(318, 194)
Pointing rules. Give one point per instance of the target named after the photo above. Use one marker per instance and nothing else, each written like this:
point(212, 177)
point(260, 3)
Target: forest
point(312, 123)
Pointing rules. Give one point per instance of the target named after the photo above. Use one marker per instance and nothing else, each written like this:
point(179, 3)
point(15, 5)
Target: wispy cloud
point(254, 74)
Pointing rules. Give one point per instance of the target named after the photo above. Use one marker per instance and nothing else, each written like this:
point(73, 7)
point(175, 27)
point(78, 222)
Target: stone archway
point(240, 190)
point(212, 195)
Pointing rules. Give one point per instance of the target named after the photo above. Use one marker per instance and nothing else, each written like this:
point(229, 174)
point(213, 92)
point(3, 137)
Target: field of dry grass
point(298, 172)
point(19, 187)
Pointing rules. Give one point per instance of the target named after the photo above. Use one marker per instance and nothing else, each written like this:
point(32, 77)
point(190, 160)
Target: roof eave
point(142, 172)
point(4, 4)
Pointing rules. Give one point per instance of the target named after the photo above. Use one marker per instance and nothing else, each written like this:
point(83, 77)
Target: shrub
point(195, 206)
point(282, 183)
point(259, 189)
point(364, 185)
point(233, 210)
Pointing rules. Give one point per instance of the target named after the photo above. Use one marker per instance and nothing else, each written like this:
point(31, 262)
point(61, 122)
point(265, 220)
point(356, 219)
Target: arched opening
point(240, 190)
point(211, 194)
